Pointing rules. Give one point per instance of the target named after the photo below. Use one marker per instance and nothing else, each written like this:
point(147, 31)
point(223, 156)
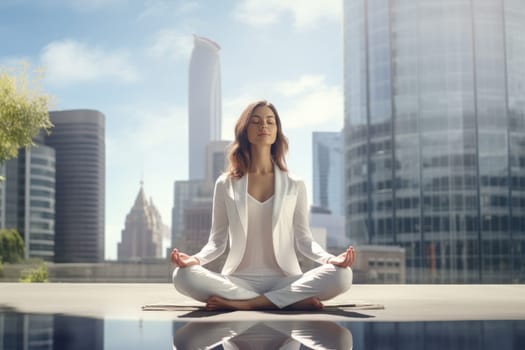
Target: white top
point(259, 257)
point(290, 224)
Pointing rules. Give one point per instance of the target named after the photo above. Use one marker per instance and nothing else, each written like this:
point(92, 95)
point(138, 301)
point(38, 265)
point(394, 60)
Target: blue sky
point(129, 59)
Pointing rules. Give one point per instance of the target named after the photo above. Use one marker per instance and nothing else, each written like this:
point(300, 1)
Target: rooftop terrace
point(110, 316)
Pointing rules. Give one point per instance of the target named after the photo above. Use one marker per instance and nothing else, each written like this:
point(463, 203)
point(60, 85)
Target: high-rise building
point(336, 240)
point(142, 234)
point(27, 200)
point(216, 159)
point(184, 193)
point(193, 197)
point(435, 135)
point(205, 103)
point(78, 140)
point(328, 172)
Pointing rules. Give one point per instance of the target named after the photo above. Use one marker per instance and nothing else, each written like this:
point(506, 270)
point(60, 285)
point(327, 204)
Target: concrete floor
point(401, 302)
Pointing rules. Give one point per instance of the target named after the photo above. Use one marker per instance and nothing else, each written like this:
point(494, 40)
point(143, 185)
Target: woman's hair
point(239, 155)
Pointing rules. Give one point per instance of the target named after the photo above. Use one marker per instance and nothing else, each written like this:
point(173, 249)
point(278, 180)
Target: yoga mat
point(191, 307)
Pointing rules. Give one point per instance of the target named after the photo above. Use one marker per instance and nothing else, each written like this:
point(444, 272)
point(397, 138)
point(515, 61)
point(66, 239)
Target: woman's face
point(262, 127)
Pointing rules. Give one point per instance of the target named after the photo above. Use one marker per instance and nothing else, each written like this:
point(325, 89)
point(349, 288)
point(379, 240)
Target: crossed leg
point(302, 292)
point(260, 302)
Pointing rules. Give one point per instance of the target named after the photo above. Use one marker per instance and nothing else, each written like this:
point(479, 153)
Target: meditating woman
point(261, 211)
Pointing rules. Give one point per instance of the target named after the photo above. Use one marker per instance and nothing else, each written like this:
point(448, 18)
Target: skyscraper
point(27, 201)
point(205, 104)
point(435, 135)
point(142, 234)
point(216, 152)
point(328, 171)
point(192, 198)
point(78, 140)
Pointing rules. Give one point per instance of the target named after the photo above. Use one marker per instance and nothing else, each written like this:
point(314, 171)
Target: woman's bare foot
point(217, 303)
point(311, 303)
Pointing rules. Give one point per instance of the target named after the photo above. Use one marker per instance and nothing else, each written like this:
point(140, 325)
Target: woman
point(262, 211)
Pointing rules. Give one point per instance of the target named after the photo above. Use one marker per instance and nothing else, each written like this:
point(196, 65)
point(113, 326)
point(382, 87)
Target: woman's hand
point(183, 260)
point(345, 259)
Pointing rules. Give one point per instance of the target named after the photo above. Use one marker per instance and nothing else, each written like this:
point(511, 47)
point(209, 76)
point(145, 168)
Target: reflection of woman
point(263, 212)
point(263, 335)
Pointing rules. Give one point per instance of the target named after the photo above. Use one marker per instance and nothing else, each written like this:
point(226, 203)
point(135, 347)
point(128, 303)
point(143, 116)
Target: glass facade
point(204, 103)
point(28, 200)
point(78, 138)
point(184, 193)
point(435, 137)
point(40, 203)
point(328, 171)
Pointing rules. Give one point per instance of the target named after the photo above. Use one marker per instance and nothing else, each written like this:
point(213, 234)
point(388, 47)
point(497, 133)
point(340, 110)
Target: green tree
point(24, 110)
point(11, 246)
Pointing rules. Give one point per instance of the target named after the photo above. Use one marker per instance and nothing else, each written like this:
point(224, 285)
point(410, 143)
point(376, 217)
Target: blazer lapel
point(240, 190)
point(280, 187)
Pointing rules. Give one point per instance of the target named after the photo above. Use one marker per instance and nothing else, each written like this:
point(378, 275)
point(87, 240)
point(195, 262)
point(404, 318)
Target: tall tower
point(27, 199)
point(328, 171)
point(204, 105)
point(142, 234)
point(78, 140)
point(435, 135)
point(216, 153)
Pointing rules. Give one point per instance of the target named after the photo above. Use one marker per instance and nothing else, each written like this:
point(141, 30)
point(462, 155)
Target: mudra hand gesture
point(345, 259)
point(183, 260)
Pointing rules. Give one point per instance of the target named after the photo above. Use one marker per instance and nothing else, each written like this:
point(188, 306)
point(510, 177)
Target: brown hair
point(239, 155)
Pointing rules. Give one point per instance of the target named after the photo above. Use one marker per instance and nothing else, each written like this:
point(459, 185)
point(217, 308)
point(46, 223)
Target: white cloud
point(304, 84)
point(171, 43)
point(159, 128)
point(302, 103)
point(305, 13)
point(150, 138)
point(69, 61)
point(313, 102)
point(321, 107)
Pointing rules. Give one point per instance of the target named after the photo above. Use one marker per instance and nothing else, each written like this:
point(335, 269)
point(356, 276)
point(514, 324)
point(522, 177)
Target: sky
point(129, 59)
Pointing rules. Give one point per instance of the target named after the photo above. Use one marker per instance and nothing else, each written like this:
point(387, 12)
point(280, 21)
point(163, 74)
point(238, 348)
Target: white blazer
point(290, 224)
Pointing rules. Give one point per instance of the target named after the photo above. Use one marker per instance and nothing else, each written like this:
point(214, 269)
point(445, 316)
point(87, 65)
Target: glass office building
point(27, 201)
point(39, 230)
point(204, 103)
point(78, 137)
point(328, 171)
point(435, 135)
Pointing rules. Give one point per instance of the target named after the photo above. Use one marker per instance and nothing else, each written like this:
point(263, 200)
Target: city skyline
point(133, 67)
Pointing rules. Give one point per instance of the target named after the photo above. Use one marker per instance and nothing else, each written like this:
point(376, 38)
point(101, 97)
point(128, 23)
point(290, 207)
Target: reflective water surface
point(41, 331)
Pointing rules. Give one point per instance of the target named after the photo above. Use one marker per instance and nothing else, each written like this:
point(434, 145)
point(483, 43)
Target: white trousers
point(323, 282)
